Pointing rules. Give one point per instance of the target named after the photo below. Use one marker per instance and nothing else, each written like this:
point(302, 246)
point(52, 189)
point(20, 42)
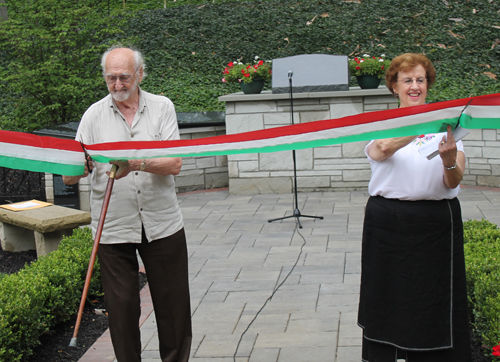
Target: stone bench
point(41, 229)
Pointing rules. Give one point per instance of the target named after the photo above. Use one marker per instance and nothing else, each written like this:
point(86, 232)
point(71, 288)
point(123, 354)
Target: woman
point(413, 299)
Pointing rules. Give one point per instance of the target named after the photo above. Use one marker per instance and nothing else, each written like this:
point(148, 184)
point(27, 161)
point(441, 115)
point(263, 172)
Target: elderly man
point(143, 215)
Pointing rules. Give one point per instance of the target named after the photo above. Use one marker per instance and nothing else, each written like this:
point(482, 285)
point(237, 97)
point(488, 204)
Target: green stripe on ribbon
point(417, 129)
point(41, 166)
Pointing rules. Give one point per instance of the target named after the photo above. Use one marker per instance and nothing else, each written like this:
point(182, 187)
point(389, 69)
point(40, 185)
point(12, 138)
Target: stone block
point(16, 238)
point(473, 151)
point(205, 162)
point(233, 169)
point(221, 160)
point(243, 157)
point(357, 175)
point(279, 119)
point(492, 152)
point(319, 107)
point(313, 116)
point(317, 181)
point(375, 107)
point(254, 174)
point(346, 109)
point(248, 166)
point(341, 100)
point(239, 123)
point(474, 135)
point(489, 134)
point(328, 152)
point(255, 107)
point(216, 180)
point(252, 186)
point(274, 161)
point(190, 179)
point(380, 99)
point(489, 181)
point(298, 102)
point(49, 242)
point(495, 170)
point(354, 149)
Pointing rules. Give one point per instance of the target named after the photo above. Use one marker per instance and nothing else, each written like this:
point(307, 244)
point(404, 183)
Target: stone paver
point(237, 260)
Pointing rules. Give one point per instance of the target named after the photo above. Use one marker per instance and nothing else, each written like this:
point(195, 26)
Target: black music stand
point(296, 212)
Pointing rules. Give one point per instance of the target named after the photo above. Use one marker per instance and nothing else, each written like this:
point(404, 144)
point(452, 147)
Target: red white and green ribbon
point(53, 155)
point(25, 151)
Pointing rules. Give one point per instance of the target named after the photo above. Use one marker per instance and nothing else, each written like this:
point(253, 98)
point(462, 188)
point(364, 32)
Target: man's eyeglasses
point(409, 81)
point(124, 78)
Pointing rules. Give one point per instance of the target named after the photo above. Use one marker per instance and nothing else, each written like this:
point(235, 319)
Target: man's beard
point(122, 95)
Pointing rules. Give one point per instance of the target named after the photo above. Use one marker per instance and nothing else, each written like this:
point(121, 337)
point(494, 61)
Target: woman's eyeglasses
point(409, 81)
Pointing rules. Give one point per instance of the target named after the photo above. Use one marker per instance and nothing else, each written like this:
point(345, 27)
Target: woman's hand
point(453, 161)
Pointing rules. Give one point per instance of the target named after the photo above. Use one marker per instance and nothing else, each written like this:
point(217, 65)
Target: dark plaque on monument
point(65, 195)
point(311, 73)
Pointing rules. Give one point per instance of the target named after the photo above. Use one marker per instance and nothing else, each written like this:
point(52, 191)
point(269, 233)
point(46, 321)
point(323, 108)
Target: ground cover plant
point(188, 44)
point(44, 294)
point(482, 260)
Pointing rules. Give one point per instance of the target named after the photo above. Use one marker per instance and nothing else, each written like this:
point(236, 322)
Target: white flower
point(383, 55)
point(366, 55)
point(381, 60)
point(256, 57)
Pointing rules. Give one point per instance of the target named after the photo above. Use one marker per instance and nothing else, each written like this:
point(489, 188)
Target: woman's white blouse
point(407, 175)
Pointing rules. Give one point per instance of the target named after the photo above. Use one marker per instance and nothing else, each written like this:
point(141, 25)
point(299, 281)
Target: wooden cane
point(93, 255)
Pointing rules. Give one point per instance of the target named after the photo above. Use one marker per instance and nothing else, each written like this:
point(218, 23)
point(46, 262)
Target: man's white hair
point(139, 59)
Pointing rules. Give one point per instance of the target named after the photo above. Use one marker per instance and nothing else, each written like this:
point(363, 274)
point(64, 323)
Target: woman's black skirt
point(413, 295)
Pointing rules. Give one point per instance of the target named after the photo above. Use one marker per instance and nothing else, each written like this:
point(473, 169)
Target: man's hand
point(125, 167)
point(71, 180)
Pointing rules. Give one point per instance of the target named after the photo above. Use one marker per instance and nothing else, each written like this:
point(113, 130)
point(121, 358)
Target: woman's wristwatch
point(448, 168)
point(143, 165)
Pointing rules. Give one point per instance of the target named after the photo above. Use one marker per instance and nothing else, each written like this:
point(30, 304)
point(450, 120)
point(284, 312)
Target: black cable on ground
point(275, 289)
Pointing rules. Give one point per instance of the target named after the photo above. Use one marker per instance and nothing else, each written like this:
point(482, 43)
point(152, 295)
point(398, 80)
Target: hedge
point(43, 294)
point(482, 260)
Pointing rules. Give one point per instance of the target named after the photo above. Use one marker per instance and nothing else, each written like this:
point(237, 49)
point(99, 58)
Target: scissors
point(87, 156)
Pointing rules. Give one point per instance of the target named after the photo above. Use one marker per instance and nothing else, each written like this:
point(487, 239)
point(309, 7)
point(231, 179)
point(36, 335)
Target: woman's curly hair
point(408, 61)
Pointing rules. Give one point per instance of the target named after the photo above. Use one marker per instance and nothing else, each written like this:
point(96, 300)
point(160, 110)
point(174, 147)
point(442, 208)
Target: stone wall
point(199, 173)
point(338, 167)
point(482, 149)
point(331, 168)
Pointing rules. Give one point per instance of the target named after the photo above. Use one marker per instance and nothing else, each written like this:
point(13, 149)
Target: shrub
point(43, 294)
point(50, 68)
point(482, 260)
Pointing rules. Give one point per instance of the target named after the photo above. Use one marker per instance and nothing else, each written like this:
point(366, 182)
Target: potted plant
point(369, 70)
point(250, 76)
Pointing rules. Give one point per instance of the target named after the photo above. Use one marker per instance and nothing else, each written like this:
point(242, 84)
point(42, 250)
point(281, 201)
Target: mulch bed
point(55, 344)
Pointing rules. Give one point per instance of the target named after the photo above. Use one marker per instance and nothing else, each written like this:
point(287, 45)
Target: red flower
point(382, 67)
point(358, 67)
point(261, 62)
point(374, 58)
point(256, 66)
point(226, 71)
point(496, 350)
point(247, 75)
point(356, 59)
point(249, 66)
point(269, 71)
point(230, 64)
point(243, 71)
